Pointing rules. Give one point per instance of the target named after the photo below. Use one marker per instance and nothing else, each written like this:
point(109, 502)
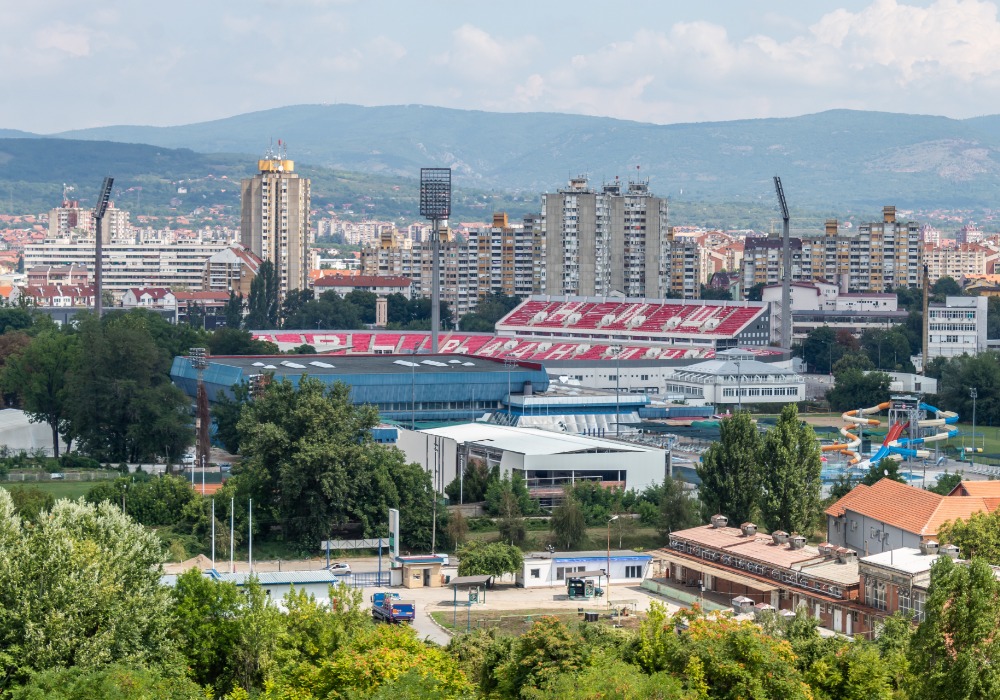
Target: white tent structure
point(19, 434)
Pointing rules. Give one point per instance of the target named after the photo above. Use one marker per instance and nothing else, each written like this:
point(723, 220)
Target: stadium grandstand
point(715, 324)
point(489, 345)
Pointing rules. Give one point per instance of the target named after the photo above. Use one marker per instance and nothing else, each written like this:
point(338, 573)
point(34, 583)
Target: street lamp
point(608, 572)
point(973, 394)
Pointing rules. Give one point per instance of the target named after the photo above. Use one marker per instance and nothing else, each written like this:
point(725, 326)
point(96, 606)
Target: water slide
point(897, 448)
point(853, 444)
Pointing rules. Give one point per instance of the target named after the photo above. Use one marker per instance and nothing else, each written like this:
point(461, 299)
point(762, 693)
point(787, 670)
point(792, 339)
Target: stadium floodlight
point(102, 206)
point(435, 204)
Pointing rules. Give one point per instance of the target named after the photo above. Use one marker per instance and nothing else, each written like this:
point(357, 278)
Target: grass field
point(517, 622)
point(58, 489)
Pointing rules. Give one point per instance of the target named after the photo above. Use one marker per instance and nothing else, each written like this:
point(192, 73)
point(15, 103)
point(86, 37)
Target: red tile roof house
point(379, 284)
point(53, 295)
point(890, 515)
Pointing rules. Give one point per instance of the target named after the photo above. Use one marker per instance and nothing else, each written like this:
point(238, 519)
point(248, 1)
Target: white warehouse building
point(733, 378)
point(545, 459)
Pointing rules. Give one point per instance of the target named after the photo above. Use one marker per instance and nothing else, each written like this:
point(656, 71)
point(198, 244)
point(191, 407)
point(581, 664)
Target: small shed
point(421, 570)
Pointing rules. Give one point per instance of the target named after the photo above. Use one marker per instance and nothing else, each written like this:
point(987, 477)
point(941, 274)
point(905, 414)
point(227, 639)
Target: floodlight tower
point(102, 206)
point(199, 360)
point(786, 270)
point(435, 204)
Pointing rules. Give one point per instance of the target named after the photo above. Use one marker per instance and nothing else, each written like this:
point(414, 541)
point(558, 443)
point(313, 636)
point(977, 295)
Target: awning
point(469, 581)
point(716, 571)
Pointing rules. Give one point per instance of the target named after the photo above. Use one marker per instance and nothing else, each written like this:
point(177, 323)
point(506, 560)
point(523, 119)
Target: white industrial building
point(957, 327)
point(546, 459)
point(543, 569)
point(734, 378)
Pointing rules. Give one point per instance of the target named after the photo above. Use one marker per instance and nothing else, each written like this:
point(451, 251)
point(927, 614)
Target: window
point(561, 574)
point(875, 593)
point(536, 573)
point(634, 571)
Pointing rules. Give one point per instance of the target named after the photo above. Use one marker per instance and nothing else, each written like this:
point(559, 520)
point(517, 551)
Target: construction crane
point(785, 317)
point(102, 206)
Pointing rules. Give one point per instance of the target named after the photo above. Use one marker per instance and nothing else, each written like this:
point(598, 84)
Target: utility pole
point(973, 394)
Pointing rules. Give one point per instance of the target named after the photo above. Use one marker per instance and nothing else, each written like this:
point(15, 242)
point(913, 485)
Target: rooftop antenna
point(102, 206)
point(785, 315)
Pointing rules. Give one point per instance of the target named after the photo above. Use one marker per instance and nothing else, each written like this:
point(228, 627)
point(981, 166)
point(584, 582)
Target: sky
point(69, 64)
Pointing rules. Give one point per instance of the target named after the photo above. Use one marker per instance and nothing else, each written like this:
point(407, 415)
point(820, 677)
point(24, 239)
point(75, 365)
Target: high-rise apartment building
point(600, 242)
point(71, 219)
point(878, 257)
point(683, 258)
point(498, 259)
point(274, 222)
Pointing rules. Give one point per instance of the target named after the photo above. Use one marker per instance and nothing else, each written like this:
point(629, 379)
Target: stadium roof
point(281, 365)
point(531, 441)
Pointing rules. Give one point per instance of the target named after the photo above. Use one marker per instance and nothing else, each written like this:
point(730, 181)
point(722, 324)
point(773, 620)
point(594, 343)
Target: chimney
point(779, 536)
point(719, 521)
point(889, 215)
point(748, 529)
point(949, 550)
point(831, 227)
point(930, 547)
point(742, 604)
point(797, 542)
point(846, 556)
point(826, 549)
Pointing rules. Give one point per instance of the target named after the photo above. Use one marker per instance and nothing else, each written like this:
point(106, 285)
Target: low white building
point(733, 378)
point(543, 569)
point(821, 304)
point(544, 458)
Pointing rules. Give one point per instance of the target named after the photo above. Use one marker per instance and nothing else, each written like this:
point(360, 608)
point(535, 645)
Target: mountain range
point(834, 161)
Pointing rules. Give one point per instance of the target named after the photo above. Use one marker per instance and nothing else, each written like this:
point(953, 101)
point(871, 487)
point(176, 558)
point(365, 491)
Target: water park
point(912, 426)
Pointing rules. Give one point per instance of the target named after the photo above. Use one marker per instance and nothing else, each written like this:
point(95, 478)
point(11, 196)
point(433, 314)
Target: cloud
point(72, 40)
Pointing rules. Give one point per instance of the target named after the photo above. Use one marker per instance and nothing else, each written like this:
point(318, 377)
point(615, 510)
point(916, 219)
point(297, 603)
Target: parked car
point(188, 459)
point(57, 475)
point(339, 568)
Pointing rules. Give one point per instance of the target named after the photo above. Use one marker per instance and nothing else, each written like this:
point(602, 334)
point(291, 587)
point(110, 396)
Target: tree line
point(83, 614)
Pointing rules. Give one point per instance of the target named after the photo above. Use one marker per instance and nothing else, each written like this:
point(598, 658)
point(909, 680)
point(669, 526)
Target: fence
point(24, 477)
point(367, 578)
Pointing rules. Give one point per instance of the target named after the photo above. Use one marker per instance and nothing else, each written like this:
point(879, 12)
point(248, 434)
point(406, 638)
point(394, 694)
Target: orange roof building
point(889, 515)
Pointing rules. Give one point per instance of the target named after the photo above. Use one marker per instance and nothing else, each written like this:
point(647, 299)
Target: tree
point(11, 345)
point(116, 682)
point(38, 376)
point(756, 292)
point(480, 558)
point(79, 586)
point(820, 350)
point(791, 479)
point(206, 618)
point(946, 483)
point(856, 389)
point(474, 481)
point(945, 287)
point(233, 341)
point(981, 371)
point(226, 416)
point(978, 537)
point(677, 510)
point(539, 656)
point(510, 520)
point(265, 293)
point(852, 360)
point(382, 655)
point(31, 501)
point(458, 528)
point(953, 651)
point(567, 524)
point(121, 404)
point(259, 627)
point(730, 470)
point(234, 310)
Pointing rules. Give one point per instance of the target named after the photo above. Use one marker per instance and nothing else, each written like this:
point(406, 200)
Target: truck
point(388, 607)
